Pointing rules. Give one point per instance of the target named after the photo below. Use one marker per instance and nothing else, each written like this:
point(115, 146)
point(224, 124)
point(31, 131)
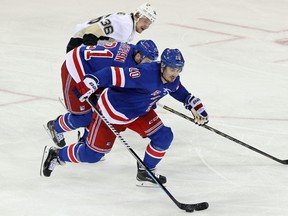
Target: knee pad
point(161, 139)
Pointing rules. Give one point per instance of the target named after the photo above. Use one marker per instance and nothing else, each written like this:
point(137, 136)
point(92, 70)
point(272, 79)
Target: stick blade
point(285, 162)
point(194, 207)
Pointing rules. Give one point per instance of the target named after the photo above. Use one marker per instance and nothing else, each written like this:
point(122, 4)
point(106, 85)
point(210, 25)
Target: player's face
point(170, 74)
point(142, 24)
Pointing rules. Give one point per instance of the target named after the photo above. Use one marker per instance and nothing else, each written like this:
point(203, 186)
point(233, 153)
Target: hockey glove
point(198, 110)
point(90, 39)
point(87, 87)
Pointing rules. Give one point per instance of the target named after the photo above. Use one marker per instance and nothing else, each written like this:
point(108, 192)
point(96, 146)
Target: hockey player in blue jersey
point(127, 102)
point(86, 60)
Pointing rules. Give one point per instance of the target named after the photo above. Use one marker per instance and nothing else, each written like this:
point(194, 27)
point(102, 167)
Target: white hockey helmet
point(148, 11)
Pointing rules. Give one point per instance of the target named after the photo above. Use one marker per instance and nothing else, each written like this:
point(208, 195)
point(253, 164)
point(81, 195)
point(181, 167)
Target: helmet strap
point(137, 17)
point(163, 66)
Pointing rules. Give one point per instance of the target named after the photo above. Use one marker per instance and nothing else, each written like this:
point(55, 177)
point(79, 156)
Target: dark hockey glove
point(90, 39)
point(198, 110)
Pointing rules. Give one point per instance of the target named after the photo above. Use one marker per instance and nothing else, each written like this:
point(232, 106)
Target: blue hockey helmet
point(172, 58)
point(147, 48)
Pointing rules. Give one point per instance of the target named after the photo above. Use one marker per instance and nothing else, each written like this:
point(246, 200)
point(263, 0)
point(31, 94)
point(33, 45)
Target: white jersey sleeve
point(117, 27)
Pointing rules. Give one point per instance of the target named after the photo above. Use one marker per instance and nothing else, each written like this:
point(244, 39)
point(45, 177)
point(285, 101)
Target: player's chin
point(172, 79)
point(140, 30)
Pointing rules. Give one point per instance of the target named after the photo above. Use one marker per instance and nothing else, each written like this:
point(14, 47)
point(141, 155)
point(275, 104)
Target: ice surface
point(236, 62)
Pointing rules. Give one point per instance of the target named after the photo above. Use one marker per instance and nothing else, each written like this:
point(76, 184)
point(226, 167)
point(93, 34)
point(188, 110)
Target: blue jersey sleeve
point(129, 77)
point(180, 94)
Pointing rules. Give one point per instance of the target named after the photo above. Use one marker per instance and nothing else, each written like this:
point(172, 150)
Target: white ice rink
point(236, 62)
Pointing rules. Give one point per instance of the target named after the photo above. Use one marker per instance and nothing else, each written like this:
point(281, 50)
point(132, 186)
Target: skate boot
point(50, 159)
point(145, 180)
point(58, 138)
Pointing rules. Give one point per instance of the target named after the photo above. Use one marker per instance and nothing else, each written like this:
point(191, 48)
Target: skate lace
point(53, 164)
point(154, 172)
point(59, 136)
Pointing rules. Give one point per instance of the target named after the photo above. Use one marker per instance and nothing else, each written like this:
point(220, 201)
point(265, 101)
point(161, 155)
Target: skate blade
point(47, 131)
point(147, 184)
point(44, 156)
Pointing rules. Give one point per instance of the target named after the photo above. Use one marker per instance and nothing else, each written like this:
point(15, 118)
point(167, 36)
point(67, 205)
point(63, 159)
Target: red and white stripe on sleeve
point(110, 113)
point(118, 77)
point(74, 65)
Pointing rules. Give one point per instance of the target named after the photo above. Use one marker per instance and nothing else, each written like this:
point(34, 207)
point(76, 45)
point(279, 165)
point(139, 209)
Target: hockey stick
point(225, 135)
point(186, 207)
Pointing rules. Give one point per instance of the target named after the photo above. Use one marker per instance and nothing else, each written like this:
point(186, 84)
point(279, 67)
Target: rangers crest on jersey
point(157, 92)
point(166, 91)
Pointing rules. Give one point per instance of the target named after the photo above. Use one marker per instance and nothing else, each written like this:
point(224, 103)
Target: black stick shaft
point(285, 162)
point(180, 205)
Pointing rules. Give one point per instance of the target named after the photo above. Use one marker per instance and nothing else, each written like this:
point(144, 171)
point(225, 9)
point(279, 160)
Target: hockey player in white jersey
point(115, 27)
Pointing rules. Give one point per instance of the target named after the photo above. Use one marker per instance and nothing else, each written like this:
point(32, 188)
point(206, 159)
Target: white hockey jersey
point(118, 27)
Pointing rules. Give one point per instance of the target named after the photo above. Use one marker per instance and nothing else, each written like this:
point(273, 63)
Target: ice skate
point(50, 160)
point(145, 180)
point(58, 138)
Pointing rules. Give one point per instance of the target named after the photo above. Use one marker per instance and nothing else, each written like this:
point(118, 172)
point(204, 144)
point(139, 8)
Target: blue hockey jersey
point(132, 91)
point(88, 59)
